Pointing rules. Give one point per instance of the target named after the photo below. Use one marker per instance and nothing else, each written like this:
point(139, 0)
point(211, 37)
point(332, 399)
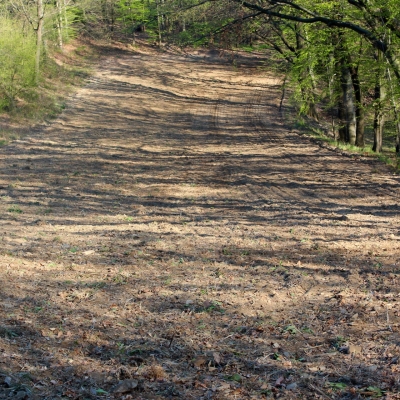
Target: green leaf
point(337, 385)
point(235, 377)
point(291, 329)
point(376, 390)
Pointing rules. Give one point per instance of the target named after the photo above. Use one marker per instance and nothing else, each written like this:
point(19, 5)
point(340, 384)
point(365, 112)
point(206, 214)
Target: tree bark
point(348, 114)
point(379, 118)
point(59, 23)
point(39, 38)
point(379, 99)
point(359, 108)
point(395, 111)
point(308, 95)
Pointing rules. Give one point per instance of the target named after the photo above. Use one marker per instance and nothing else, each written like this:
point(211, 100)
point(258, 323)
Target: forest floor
point(171, 235)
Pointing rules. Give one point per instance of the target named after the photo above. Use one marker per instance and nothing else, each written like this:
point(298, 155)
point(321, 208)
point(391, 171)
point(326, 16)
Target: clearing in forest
point(170, 235)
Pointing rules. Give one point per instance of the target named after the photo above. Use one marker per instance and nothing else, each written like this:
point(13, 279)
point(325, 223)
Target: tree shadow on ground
point(169, 227)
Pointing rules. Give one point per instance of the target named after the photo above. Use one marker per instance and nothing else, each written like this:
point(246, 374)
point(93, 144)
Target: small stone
point(291, 386)
point(7, 381)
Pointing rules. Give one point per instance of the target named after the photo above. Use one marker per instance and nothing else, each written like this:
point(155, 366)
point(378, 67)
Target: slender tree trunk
point(360, 115)
point(283, 94)
point(65, 16)
point(330, 73)
point(159, 25)
point(39, 38)
point(380, 96)
point(104, 13)
point(59, 23)
point(395, 111)
point(348, 113)
point(308, 96)
point(379, 118)
point(343, 137)
point(112, 16)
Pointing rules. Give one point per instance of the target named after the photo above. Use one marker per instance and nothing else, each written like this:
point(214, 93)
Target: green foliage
point(17, 62)
point(135, 11)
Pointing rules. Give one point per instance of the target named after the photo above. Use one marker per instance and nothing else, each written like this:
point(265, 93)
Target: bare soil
point(171, 235)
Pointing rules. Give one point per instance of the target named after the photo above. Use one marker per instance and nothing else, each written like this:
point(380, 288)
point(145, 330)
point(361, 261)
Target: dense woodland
point(340, 59)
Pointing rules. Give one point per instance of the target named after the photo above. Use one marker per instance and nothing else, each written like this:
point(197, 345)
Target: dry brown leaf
point(156, 372)
point(217, 357)
point(126, 386)
point(200, 362)
point(279, 381)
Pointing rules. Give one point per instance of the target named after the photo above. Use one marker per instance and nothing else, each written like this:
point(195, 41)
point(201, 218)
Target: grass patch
point(15, 209)
point(388, 155)
point(63, 73)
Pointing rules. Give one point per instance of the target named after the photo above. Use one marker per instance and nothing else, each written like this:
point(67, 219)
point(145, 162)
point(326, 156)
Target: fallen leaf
point(354, 349)
point(224, 386)
point(199, 362)
point(279, 381)
point(217, 357)
point(265, 386)
point(126, 386)
point(236, 378)
point(198, 384)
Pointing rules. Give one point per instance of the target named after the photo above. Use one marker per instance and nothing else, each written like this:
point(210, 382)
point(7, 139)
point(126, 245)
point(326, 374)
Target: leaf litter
point(175, 242)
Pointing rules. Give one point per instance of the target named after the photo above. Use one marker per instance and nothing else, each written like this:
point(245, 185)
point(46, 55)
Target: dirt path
point(169, 231)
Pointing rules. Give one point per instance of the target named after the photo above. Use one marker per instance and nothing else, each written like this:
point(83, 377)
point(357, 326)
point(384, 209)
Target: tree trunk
point(360, 115)
point(159, 25)
point(395, 111)
point(65, 16)
point(283, 94)
point(379, 118)
point(307, 94)
point(348, 113)
point(380, 96)
point(342, 121)
point(59, 23)
point(39, 38)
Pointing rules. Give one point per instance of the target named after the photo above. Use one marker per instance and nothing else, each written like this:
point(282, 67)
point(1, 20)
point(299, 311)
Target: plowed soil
point(171, 235)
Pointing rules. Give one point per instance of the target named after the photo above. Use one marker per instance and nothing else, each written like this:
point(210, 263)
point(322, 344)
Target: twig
point(172, 338)
point(319, 391)
point(387, 320)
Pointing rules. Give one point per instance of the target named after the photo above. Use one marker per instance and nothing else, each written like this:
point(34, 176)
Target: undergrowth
point(388, 155)
point(63, 72)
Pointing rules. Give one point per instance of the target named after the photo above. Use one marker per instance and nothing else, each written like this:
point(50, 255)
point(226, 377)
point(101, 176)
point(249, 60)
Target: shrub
point(17, 62)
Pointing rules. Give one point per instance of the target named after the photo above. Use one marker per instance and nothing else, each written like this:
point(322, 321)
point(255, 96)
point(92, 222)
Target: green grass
point(388, 155)
point(15, 209)
point(35, 105)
